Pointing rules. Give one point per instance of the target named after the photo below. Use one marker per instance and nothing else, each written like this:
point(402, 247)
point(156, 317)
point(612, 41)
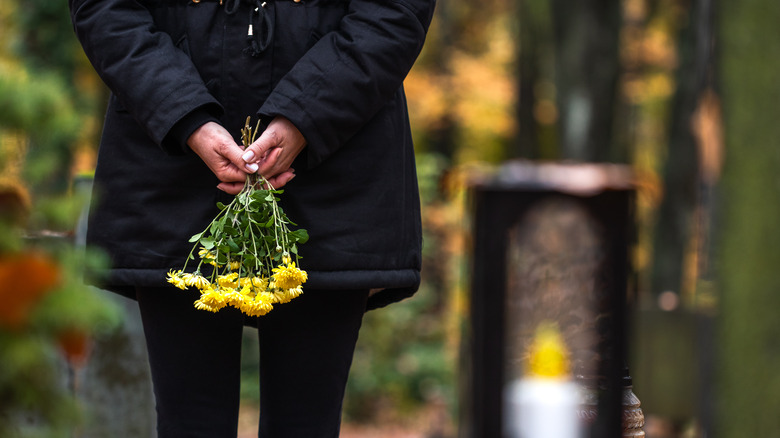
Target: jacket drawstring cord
point(261, 29)
point(231, 6)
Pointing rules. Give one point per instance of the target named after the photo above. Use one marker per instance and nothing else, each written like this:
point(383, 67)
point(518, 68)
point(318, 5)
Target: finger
point(226, 171)
point(231, 173)
point(215, 146)
point(232, 188)
point(268, 140)
point(271, 165)
point(233, 167)
point(279, 181)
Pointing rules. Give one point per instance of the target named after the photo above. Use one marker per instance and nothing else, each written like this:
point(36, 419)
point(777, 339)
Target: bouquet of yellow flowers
point(252, 253)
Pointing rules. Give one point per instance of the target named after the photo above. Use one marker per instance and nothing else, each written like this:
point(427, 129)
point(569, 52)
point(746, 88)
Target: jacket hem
point(392, 285)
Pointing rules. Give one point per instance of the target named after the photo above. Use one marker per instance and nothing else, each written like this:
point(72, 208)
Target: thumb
point(257, 151)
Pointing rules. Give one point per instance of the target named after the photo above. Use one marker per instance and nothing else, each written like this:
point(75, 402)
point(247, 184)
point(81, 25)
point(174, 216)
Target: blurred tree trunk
point(749, 331)
point(676, 224)
point(527, 143)
point(587, 66)
point(442, 139)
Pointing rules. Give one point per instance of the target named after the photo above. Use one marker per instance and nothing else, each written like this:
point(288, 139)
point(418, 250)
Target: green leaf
point(260, 195)
point(207, 242)
point(195, 238)
point(300, 235)
point(216, 226)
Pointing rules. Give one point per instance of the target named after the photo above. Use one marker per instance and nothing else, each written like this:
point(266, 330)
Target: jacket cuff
point(175, 142)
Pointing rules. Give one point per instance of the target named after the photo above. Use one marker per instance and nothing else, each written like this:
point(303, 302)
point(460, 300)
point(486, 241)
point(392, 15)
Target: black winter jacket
point(334, 68)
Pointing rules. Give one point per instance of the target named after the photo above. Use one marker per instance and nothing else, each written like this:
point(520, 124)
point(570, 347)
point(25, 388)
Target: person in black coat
point(325, 78)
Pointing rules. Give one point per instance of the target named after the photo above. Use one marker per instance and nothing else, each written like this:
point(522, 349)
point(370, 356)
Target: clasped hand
point(271, 155)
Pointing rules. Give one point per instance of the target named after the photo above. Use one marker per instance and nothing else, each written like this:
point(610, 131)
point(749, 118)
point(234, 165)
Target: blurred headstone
point(114, 385)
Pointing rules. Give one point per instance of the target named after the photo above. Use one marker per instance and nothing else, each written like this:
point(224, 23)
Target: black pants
point(306, 349)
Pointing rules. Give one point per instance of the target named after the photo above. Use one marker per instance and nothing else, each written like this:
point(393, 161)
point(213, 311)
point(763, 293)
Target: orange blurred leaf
point(24, 279)
point(75, 345)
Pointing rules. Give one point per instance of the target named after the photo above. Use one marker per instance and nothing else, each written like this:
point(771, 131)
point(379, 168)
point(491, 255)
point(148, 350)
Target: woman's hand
point(215, 146)
point(274, 152)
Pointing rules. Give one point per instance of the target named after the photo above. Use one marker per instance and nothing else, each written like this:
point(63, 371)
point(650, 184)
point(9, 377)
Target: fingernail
point(252, 167)
point(248, 155)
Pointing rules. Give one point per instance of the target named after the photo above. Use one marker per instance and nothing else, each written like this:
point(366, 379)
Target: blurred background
point(683, 92)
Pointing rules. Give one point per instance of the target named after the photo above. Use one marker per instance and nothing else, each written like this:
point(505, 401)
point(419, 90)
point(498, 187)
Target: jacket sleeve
point(153, 80)
point(351, 73)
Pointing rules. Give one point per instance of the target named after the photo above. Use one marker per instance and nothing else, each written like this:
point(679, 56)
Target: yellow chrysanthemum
point(287, 295)
point(234, 298)
point(210, 300)
point(173, 275)
point(259, 284)
point(234, 265)
point(245, 283)
point(205, 254)
point(195, 280)
point(233, 276)
point(201, 306)
point(201, 282)
point(267, 297)
point(228, 280)
point(224, 291)
point(188, 278)
point(175, 278)
point(289, 276)
point(258, 306)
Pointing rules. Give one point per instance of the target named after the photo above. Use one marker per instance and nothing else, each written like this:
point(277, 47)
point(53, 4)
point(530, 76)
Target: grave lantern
point(550, 249)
